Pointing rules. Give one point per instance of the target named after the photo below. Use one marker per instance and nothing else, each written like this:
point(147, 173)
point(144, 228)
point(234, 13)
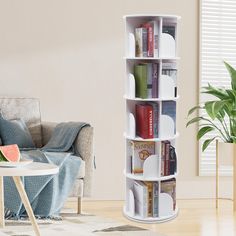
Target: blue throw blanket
point(48, 193)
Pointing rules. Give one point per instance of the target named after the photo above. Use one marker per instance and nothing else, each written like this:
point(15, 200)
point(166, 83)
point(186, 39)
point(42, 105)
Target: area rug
point(75, 225)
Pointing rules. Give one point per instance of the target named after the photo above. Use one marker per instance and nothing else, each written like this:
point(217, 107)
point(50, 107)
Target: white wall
point(69, 54)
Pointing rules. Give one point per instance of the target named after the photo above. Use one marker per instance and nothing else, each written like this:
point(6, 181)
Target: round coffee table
point(32, 169)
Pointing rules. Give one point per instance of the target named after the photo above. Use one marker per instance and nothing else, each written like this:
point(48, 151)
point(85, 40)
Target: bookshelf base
point(150, 220)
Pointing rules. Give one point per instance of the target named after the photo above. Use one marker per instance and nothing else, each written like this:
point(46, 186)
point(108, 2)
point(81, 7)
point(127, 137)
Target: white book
point(141, 199)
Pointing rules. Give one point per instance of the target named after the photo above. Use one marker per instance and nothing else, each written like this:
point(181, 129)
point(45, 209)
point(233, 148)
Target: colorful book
point(155, 196)
point(169, 187)
point(155, 75)
point(167, 158)
point(155, 29)
point(149, 80)
point(144, 120)
point(162, 158)
point(173, 161)
point(150, 197)
point(169, 109)
point(140, 75)
point(141, 40)
point(150, 40)
point(141, 199)
point(140, 152)
point(169, 29)
point(170, 69)
point(155, 107)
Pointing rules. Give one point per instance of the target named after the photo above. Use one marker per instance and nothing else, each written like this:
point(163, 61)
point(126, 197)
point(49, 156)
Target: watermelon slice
point(10, 153)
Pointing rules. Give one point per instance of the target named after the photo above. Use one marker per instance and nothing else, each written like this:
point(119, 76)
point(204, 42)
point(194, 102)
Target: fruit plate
point(21, 163)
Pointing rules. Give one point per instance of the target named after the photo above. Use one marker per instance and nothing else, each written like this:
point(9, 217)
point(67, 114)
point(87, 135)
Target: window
point(217, 43)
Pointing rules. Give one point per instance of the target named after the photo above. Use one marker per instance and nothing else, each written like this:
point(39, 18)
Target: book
point(167, 158)
point(170, 69)
point(141, 198)
point(169, 109)
point(155, 199)
point(150, 40)
point(144, 120)
point(169, 29)
point(173, 161)
point(141, 150)
point(155, 75)
point(149, 80)
point(141, 42)
point(150, 197)
point(154, 25)
point(140, 75)
point(155, 107)
point(169, 187)
point(162, 158)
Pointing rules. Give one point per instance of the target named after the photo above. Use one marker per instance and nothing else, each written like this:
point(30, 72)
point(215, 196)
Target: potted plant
point(221, 112)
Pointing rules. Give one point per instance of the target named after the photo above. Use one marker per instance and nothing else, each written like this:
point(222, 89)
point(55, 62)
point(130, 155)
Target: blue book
point(169, 109)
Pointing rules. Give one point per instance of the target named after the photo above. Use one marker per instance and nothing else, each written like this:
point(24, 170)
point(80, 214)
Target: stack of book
point(140, 151)
point(146, 198)
point(169, 187)
point(146, 40)
point(168, 159)
point(146, 80)
point(147, 116)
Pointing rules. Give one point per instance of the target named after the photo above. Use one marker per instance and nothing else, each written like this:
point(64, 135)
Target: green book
point(140, 75)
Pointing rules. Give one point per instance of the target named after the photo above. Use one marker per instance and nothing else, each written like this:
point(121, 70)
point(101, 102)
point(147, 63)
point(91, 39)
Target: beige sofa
point(28, 109)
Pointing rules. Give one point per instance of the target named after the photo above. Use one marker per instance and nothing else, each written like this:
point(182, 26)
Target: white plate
point(21, 163)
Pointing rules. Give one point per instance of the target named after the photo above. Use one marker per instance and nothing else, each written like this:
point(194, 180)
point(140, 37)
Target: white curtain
point(217, 43)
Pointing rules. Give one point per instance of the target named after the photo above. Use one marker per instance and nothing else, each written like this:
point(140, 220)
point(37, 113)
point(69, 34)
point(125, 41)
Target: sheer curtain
point(217, 43)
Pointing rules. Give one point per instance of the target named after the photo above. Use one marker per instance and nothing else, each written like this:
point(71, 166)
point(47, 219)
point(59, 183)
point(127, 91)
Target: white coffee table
point(32, 169)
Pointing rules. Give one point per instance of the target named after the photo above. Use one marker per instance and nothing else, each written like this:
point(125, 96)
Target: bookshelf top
point(151, 15)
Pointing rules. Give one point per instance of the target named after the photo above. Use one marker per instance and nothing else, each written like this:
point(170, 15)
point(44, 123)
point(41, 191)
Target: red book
point(150, 40)
point(144, 121)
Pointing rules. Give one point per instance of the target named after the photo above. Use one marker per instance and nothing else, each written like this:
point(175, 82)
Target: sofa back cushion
point(27, 109)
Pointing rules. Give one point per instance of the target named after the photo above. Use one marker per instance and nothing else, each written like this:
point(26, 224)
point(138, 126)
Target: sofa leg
point(79, 207)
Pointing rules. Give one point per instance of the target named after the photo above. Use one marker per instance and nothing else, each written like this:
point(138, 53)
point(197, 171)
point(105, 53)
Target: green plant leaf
point(203, 131)
point(194, 120)
point(206, 143)
point(232, 73)
point(214, 107)
point(217, 92)
point(193, 109)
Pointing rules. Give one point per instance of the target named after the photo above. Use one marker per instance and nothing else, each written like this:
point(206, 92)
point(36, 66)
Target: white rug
point(75, 225)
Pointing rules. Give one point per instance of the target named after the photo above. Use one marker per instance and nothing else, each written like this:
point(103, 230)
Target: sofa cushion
point(26, 109)
point(15, 132)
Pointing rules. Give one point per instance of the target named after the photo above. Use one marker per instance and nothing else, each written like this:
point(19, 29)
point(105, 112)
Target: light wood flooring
point(196, 217)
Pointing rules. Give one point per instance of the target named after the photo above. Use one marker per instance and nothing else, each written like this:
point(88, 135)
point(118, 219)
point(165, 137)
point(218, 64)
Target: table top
point(32, 169)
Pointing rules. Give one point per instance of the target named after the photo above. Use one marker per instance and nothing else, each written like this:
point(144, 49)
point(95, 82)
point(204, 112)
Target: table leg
point(25, 200)
point(2, 212)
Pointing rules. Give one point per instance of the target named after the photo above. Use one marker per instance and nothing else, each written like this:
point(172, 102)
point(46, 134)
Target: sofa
point(28, 109)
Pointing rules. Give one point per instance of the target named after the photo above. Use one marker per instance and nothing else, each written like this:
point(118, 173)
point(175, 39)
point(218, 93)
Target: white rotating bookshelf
point(151, 44)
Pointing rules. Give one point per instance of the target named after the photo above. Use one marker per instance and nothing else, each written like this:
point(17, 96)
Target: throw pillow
point(15, 132)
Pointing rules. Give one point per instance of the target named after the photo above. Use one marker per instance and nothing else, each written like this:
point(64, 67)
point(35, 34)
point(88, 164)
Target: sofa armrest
point(83, 148)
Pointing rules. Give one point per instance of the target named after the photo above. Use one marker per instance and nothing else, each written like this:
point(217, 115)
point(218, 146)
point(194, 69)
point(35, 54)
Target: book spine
point(145, 201)
point(155, 38)
point(145, 42)
point(162, 158)
point(155, 118)
point(138, 42)
point(167, 158)
point(149, 80)
point(140, 75)
point(154, 80)
point(173, 160)
point(150, 42)
point(155, 199)
point(150, 121)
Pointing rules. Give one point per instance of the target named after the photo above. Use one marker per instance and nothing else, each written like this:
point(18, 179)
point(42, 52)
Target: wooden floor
point(196, 217)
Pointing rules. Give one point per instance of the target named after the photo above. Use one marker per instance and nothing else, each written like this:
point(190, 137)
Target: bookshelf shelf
point(142, 178)
point(152, 99)
point(150, 220)
point(150, 136)
point(152, 139)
